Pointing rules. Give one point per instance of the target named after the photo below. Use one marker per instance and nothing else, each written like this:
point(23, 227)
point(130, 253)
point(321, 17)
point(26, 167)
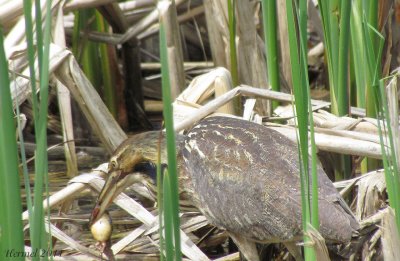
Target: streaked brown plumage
point(242, 176)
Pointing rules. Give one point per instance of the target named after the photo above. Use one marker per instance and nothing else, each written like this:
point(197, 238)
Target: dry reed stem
point(168, 18)
point(215, 83)
point(64, 103)
point(143, 24)
point(186, 65)
point(318, 243)
point(231, 257)
point(326, 120)
point(251, 62)
point(148, 28)
point(83, 4)
point(20, 86)
point(113, 14)
point(323, 141)
point(91, 104)
point(17, 34)
point(135, 4)
point(370, 195)
point(284, 45)
point(150, 222)
point(9, 11)
point(393, 105)
point(181, 19)
point(218, 31)
point(390, 236)
point(342, 145)
point(142, 214)
point(72, 189)
point(60, 235)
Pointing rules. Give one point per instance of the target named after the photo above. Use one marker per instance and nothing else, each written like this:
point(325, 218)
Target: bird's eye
point(114, 164)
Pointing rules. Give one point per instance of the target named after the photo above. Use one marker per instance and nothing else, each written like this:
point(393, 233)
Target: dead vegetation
point(202, 28)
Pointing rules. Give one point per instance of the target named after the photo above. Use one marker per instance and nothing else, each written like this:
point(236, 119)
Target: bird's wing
point(244, 185)
point(247, 178)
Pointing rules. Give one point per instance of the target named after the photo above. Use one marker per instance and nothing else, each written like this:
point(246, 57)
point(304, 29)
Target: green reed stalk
point(168, 219)
point(365, 76)
point(386, 136)
point(171, 196)
point(232, 41)
point(41, 166)
point(108, 81)
point(335, 15)
point(94, 57)
point(271, 45)
point(86, 51)
point(160, 198)
point(11, 237)
point(39, 33)
point(298, 60)
point(342, 93)
point(38, 235)
point(389, 156)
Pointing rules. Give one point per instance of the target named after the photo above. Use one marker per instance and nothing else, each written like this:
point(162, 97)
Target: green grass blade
point(361, 74)
point(310, 121)
point(35, 237)
point(390, 163)
point(39, 236)
point(371, 40)
point(39, 34)
point(168, 219)
point(330, 22)
point(24, 167)
point(300, 115)
point(364, 52)
point(298, 60)
point(342, 93)
point(31, 55)
point(170, 134)
point(372, 12)
point(11, 234)
point(86, 51)
point(232, 41)
point(106, 74)
point(160, 199)
point(94, 57)
point(389, 156)
point(271, 44)
point(373, 64)
point(335, 17)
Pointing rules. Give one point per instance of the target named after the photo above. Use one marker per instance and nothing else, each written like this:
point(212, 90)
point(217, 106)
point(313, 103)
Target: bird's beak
point(116, 182)
point(113, 184)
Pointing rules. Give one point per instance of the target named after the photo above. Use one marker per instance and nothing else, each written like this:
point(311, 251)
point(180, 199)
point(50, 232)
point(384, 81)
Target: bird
point(242, 176)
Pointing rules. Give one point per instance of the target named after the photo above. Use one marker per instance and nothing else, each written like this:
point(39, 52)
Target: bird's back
point(246, 178)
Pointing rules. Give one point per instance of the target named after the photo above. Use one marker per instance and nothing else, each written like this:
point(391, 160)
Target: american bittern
point(242, 176)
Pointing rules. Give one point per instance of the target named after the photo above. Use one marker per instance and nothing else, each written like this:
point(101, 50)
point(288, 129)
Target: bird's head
point(134, 161)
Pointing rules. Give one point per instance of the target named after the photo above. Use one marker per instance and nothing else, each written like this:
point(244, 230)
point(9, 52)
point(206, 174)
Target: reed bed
point(78, 77)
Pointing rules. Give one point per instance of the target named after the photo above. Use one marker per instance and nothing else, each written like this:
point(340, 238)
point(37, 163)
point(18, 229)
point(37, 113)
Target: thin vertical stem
point(232, 41)
point(271, 44)
point(11, 236)
point(172, 193)
point(343, 97)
